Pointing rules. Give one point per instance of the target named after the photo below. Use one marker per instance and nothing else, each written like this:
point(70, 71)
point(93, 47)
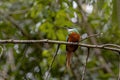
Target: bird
point(73, 36)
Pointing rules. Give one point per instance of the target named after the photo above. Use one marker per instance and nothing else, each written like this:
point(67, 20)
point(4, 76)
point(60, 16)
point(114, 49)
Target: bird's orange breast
point(74, 37)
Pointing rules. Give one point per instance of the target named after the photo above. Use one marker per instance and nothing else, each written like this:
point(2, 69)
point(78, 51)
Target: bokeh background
point(47, 19)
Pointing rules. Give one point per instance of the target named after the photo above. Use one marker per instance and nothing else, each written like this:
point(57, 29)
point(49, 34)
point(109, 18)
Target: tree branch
point(60, 42)
point(1, 51)
point(119, 66)
point(91, 36)
point(84, 68)
point(52, 62)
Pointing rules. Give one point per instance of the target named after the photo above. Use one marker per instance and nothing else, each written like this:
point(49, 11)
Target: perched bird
point(73, 36)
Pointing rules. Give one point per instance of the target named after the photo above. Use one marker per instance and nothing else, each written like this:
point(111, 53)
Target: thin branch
point(1, 53)
point(113, 45)
point(58, 42)
point(52, 62)
point(19, 11)
point(84, 68)
point(119, 66)
point(91, 36)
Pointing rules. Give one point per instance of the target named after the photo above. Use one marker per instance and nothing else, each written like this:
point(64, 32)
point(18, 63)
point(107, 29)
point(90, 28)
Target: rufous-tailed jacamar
point(73, 36)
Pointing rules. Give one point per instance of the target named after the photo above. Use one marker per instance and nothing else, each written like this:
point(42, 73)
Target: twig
point(19, 12)
point(119, 66)
point(52, 62)
point(113, 45)
point(1, 53)
point(84, 68)
point(91, 36)
point(57, 42)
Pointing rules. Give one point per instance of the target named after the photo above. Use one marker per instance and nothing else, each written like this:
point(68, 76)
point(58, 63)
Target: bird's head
point(70, 30)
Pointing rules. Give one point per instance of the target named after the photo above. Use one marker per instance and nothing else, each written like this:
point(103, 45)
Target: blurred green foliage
point(47, 19)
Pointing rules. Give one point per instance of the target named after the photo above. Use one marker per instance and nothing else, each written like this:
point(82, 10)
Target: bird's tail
point(68, 59)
